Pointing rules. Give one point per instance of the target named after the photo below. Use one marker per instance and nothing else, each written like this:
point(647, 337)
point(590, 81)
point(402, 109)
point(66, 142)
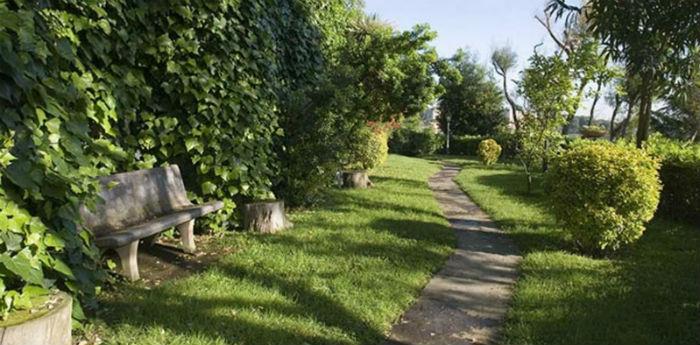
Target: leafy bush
point(412, 140)
point(603, 193)
point(90, 88)
point(367, 149)
point(680, 176)
point(465, 145)
point(489, 151)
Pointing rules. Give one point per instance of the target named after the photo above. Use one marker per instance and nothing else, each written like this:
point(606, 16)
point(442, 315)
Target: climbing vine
point(88, 88)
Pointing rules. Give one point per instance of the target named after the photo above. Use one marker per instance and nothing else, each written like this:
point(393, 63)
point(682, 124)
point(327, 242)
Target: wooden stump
point(51, 324)
point(265, 217)
point(356, 179)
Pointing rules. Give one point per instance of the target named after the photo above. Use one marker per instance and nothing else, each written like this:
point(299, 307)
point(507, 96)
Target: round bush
point(489, 151)
point(368, 149)
point(603, 193)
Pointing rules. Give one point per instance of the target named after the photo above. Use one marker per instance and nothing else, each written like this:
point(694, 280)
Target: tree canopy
point(472, 101)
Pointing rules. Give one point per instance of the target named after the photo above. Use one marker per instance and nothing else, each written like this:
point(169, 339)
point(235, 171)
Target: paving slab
point(466, 301)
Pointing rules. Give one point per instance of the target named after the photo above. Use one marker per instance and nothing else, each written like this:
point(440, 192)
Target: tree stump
point(356, 179)
point(50, 324)
point(266, 217)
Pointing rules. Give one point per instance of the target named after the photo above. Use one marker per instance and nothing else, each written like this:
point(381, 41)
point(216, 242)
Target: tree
point(503, 60)
point(581, 52)
point(473, 101)
point(547, 88)
point(655, 39)
point(393, 70)
point(680, 118)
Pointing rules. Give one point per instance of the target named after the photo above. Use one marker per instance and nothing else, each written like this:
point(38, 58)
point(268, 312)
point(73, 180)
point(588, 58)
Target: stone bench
point(141, 204)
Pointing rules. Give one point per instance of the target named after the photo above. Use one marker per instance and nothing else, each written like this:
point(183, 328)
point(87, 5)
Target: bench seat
point(140, 204)
point(153, 227)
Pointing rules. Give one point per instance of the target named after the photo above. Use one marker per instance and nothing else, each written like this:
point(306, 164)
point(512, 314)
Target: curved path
point(466, 301)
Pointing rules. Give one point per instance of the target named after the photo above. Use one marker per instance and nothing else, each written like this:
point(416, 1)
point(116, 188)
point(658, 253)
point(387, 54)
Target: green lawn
point(647, 294)
point(342, 275)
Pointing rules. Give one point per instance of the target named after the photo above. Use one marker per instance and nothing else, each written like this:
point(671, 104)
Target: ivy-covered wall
point(88, 88)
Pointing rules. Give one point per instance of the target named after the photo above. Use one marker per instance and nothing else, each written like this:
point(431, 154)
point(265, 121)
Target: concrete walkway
point(466, 301)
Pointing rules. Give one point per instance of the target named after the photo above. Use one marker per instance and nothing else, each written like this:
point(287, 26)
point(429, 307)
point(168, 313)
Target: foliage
point(465, 145)
point(368, 149)
point(411, 139)
point(57, 125)
point(326, 268)
point(317, 126)
point(607, 300)
point(90, 88)
point(680, 118)
point(472, 101)
point(603, 194)
point(680, 176)
point(655, 39)
point(547, 87)
point(489, 151)
point(392, 70)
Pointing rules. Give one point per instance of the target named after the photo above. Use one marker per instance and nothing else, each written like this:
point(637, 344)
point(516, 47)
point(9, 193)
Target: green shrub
point(603, 194)
point(412, 140)
point(489, 151)
point(680, 176)
point(367, 149)
point(465, 145)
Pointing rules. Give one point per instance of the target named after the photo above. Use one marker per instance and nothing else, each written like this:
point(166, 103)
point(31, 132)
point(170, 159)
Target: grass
point(342, 275)
point(647, 294)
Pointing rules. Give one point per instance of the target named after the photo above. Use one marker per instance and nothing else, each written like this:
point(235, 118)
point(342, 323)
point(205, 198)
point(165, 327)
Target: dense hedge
point(368, 149)
point(603, 193)
point(680, 176)
point(412, 139)
point(90, 88)
point(468, 145)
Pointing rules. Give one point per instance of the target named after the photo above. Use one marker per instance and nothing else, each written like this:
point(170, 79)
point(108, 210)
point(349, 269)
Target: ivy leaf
point(208, 187)
point(54, 241)
point(21, 265)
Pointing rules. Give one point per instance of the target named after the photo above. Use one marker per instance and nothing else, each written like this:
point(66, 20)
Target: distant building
point(429, 118)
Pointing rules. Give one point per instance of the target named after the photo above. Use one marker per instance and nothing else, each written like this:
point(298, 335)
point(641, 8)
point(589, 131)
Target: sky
point(479, 25)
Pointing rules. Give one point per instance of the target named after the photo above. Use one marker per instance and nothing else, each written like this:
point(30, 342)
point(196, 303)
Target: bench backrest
point(133, 197)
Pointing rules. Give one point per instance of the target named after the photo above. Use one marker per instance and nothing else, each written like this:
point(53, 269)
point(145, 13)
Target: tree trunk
point(614, 115)
point(595, 102)
point(511, 102)
point(625, 124)
point(356, 179)
point(644, 112)
point(265, 217)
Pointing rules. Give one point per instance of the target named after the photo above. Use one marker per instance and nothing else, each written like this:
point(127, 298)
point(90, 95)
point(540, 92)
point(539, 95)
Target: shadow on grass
point(648, 293)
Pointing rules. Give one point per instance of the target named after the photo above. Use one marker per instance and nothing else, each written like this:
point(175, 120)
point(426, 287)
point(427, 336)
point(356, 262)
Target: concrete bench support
point(187, 236)
point(128, 255)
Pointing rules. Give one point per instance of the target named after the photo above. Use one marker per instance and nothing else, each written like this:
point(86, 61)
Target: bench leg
point(187, 236)
point(128, 256)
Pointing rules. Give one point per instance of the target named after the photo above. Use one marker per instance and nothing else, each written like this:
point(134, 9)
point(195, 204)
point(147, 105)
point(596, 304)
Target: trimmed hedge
point(368, 149)
point(468, 145)
point(489, 151)
point(680, 176)
point(603, 194)
point(415, 142)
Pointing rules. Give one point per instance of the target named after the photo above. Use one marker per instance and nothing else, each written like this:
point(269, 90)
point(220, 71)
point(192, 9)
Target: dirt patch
point(163, 260)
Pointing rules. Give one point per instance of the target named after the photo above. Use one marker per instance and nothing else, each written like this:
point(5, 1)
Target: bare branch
point(546, 23)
